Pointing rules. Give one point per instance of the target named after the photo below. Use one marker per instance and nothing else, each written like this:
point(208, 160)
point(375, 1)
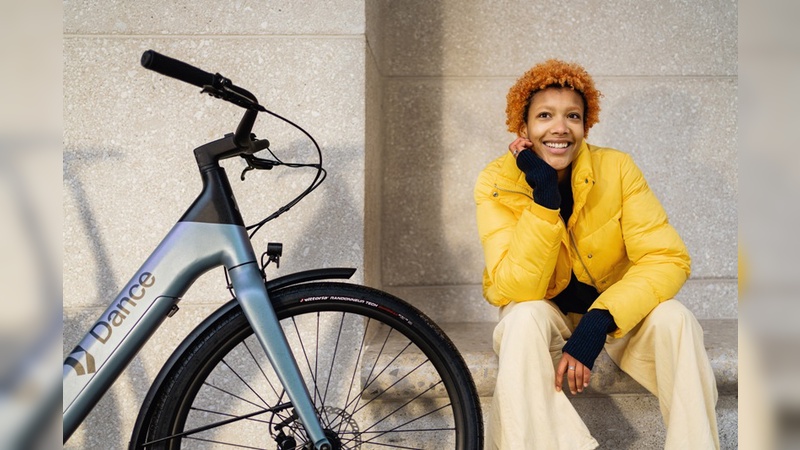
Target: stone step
point(474, 340)
point(634, 421)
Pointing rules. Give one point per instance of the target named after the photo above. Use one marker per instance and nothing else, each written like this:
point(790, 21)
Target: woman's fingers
point(578, 375)
point(562, 368)
point(587, 375)
point(518, 145)
point(581, 373)
point(572, 377)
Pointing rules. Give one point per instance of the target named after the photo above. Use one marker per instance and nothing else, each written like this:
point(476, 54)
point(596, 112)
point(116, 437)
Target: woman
point(580, 256)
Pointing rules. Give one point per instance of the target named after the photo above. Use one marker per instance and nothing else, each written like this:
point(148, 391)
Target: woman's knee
point(673, 315)
point(529, 330)
point(537, 313)
point(531, 320)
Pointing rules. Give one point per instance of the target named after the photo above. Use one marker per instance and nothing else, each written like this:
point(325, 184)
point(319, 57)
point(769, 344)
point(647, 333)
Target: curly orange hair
point(548, 74)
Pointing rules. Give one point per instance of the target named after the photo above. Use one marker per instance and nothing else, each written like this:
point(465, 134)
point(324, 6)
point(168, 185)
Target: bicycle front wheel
point(380, 374)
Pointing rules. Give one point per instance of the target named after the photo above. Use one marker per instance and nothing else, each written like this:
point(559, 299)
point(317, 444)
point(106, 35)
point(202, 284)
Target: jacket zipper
point(512, 192)
point(575, 246)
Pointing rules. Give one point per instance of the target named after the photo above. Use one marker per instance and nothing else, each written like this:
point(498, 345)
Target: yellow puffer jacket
point(618, 238)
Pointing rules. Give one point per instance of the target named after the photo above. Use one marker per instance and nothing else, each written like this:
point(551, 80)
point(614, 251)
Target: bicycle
point(289, 363)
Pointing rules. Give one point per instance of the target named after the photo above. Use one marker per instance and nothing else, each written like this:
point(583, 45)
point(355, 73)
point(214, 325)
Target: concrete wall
point(407, 99)
point(669, 74)
point(129, 171)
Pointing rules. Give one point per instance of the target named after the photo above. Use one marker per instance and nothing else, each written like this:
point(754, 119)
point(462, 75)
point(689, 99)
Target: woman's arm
point(521, 245)
point(661, 262)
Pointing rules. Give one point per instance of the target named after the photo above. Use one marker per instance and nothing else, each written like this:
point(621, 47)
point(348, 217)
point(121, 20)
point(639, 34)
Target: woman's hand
point(541, 177)
point(578, 375)
point(519, 145)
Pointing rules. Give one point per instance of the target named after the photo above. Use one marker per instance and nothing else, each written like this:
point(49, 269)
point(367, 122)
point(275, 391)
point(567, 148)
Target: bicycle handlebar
point(213, 84)
point(177, 69)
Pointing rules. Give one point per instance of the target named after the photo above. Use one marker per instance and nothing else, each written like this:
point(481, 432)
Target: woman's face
point(555, 126)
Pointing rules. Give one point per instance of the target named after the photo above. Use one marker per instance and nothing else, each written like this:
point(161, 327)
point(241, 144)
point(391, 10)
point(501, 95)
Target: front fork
point(251, 294)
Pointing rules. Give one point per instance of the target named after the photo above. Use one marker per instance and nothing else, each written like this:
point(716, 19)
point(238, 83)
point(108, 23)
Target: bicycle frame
point(210, 234)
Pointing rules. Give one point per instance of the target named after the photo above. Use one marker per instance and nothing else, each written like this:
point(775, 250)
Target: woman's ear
point(523, 131)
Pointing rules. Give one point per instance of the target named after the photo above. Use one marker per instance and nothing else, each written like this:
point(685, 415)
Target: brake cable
point(266, 164)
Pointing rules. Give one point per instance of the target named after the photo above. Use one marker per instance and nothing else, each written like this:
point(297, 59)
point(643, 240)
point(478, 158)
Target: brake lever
point(231, 93)
point(254, 162)
point(246, 169)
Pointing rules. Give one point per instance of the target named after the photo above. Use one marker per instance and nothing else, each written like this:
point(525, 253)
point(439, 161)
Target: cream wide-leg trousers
point(664, 353)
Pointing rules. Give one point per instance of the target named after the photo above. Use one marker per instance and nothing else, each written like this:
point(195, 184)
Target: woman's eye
point(575, 116)
point(543, 115)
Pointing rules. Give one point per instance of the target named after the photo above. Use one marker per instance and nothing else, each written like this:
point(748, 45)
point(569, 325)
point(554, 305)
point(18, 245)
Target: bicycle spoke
point(223, 443)
point(381, 444)
point(214, 425)
point(413, 430)
point(360, 395)
point(321, 408)
point(220, 413)
point(389, 364)
point(232, 394)
point(305, 355)
point(377, 370)
point(244, 382)
point(278, 410)
point(316, 360)
point(395, 429)
point(333, 358)
point(395, 384)
point(266, 378)
point(356, 366)
point(383, 346)
point(403, 406)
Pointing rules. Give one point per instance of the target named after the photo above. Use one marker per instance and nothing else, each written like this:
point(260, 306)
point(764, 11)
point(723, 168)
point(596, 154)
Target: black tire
point(381, 375)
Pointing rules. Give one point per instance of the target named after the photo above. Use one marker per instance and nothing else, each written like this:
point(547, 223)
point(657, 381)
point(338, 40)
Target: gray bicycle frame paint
point(189, 250)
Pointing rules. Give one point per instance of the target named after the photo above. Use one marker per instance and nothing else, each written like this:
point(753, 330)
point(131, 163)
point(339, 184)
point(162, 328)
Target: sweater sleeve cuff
point(526, 160)
point(590, 335)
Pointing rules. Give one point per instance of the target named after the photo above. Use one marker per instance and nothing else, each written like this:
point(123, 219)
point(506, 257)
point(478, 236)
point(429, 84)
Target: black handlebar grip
point(176, 69)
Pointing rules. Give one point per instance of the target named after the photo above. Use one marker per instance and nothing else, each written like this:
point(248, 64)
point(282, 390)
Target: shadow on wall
point(76, 161)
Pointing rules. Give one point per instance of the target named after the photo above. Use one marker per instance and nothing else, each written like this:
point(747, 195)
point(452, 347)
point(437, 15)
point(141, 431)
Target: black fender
point(292, 279)
point(341, 273)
